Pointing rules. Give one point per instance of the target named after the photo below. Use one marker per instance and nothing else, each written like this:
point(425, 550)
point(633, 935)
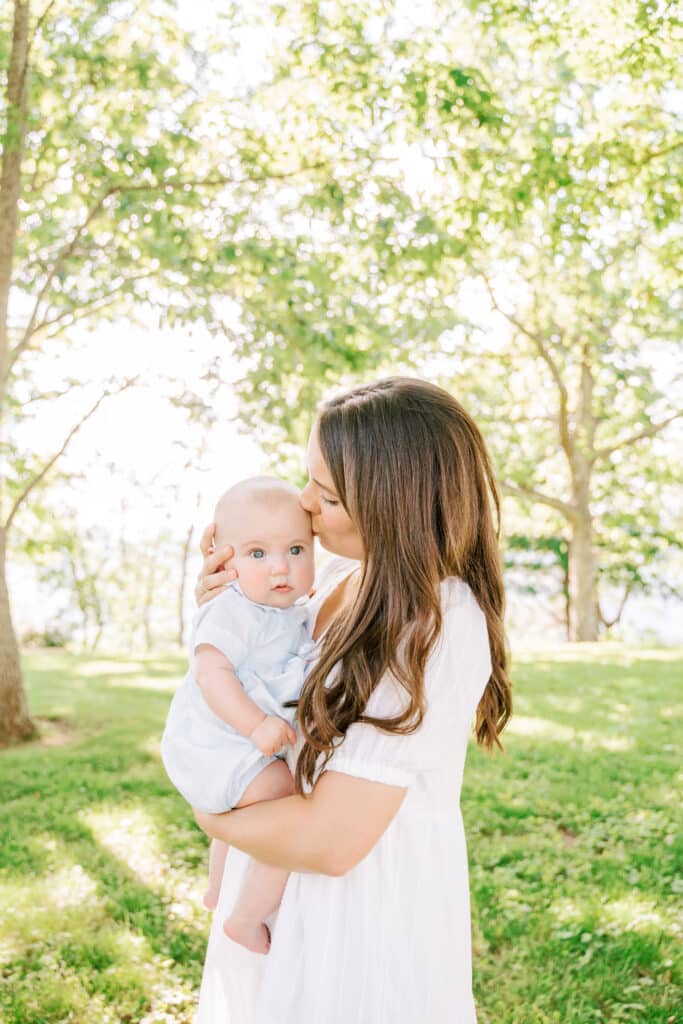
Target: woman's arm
point(328, 832)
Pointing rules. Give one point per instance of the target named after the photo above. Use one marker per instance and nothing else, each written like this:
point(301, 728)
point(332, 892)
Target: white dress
point(208, 761)
point(389, 942)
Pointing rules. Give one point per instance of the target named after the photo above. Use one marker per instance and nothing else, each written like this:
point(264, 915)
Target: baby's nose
point(278, 566)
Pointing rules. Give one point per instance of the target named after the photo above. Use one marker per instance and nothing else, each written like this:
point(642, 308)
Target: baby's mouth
point(283, 588)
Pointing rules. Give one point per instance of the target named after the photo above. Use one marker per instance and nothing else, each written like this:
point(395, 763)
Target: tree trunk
point(149, 604)
point(181, 590)
point(582, 577)
point(10, 172)
point(99, 616)
point(566, 594)
point(15, 720)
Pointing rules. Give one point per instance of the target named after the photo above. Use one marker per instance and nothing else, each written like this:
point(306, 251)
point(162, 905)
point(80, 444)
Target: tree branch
point(68, 317)
point(651, 431)
point(215, 182)
point(63, 255)
point(41, 20)
point(544, 353)
point(47, 395)
point(119, 189)
point(622, 604)
point(521, 491)
point(654, 155)
point(36, 479)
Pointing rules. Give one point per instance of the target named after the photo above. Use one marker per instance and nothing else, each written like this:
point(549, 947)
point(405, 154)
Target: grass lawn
point(572, 838)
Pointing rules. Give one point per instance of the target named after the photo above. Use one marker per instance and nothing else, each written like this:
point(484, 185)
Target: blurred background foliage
point(484, 194)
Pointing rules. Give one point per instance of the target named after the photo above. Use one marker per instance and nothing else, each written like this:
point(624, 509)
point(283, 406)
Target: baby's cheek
point(243, 565)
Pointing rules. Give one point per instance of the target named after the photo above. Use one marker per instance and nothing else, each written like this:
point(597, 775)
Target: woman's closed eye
point(328, 501)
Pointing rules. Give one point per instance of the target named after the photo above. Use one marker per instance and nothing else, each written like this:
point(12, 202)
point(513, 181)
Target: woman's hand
point(213, 577)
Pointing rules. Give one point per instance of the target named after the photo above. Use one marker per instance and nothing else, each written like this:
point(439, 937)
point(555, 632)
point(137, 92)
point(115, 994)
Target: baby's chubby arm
point(225, 695)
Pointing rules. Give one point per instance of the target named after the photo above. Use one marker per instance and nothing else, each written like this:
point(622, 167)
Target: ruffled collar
point(300, 605)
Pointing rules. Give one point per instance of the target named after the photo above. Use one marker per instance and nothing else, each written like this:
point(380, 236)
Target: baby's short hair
point(268, 490)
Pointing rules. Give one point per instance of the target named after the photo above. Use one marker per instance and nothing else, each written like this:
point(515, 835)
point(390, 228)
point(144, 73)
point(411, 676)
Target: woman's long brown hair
point(412, 471)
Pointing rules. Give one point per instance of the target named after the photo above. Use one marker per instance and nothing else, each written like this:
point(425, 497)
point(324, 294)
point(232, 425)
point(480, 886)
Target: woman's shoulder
point(458, 600)
point(463, 620)
point(333, 570)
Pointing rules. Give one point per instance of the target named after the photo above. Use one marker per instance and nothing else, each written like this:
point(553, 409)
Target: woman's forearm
point(328, 832)
point(284, 833)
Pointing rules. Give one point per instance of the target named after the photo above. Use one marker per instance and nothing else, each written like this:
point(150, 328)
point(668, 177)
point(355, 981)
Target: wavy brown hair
point(412, 470)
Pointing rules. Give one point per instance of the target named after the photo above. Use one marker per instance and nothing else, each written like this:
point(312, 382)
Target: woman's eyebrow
point(324, 487)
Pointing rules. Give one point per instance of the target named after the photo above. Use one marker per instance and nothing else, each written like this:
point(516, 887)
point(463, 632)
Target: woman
point(374, 925)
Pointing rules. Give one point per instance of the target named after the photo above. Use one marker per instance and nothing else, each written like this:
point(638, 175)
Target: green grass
point(572, 841)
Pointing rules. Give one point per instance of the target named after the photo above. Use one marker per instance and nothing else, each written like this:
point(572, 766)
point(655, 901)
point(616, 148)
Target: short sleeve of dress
point(229, 624)
point(457, 672)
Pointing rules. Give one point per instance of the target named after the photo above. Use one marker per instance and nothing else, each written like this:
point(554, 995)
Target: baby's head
point(271, 534)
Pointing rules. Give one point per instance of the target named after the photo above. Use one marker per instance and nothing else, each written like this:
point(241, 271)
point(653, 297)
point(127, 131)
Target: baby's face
point(273, 550)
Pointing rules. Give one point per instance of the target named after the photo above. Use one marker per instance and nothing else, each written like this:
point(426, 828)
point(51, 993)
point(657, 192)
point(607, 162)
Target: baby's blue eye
point(257, 553)
point(296, 549)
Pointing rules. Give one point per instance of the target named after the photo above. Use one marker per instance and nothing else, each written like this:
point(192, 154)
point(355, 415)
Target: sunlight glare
point(132, 836)
point(543, 727)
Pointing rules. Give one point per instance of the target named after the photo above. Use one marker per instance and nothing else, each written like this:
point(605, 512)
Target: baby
point(226, 729)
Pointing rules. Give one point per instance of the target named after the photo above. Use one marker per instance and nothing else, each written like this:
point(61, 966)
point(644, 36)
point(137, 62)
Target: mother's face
point(331, 521)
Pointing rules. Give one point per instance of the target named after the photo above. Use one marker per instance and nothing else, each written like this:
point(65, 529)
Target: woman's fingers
point(217, 579)
point(213, 565)
point(215, 561)
point(207, 595)
point(213, 577)
point(206, 543)
point(213, 584)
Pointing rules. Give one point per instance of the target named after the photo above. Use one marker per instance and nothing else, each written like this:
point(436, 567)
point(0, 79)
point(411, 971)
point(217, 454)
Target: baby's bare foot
point(211, 897)
point(252, 935)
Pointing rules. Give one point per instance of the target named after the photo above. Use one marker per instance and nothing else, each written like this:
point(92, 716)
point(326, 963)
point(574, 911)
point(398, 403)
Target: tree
point(543, 243)
point(537, 558)
point(113, 581)
point(127, 182)
point(582, 271)
point(130, 181)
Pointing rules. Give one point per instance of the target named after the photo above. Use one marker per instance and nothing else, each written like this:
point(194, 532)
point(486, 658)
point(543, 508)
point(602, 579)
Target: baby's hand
point(272, 734)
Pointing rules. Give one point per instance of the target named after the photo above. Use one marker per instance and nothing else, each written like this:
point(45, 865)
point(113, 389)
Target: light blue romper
point(208, 761)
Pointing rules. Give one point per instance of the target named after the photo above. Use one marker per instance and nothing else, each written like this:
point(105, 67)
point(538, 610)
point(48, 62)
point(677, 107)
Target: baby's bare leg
point(263, 885)
point(217, 854)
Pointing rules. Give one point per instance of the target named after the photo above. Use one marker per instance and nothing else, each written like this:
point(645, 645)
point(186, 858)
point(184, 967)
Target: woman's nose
point(307, 498)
